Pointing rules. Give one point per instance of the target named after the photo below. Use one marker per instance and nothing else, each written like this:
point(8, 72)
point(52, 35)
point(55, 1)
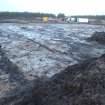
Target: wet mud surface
point(29, 53)
point(46, 49)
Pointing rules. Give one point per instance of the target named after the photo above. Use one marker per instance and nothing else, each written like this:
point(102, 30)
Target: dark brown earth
point(98, 37)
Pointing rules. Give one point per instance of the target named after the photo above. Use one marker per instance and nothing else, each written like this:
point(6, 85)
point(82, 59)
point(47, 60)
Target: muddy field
point(46, 49)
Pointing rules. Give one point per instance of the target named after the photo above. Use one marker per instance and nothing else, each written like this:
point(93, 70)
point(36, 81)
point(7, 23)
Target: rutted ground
point(45, 55)
point(46, 49)
point(80, 84)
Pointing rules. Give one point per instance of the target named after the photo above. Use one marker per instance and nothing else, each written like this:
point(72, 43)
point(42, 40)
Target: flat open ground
point(46, 49)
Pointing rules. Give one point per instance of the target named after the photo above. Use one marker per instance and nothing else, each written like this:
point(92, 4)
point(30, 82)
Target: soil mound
point(98, 37)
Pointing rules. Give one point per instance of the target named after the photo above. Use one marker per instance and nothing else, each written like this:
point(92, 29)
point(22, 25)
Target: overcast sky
point(69, 7)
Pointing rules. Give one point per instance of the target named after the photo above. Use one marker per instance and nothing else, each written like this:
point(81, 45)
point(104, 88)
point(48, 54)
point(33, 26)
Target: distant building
point(67, 19)
point(82, 20)
point(52, 20)
point(73, 19)
point(45, 19)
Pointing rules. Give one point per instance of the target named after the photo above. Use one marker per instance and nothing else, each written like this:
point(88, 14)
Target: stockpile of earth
point(98, 37)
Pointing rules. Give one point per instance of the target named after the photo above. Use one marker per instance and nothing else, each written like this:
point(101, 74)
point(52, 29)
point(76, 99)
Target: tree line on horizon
point(27, 15)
